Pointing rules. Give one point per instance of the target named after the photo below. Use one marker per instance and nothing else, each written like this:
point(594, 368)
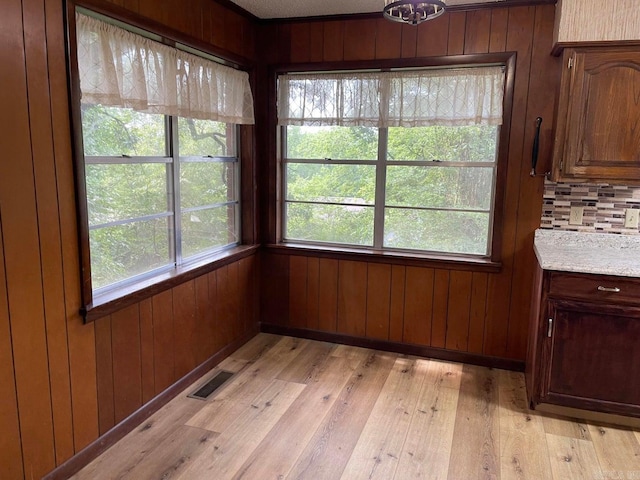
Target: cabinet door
point(599, 109)
point(594, 358)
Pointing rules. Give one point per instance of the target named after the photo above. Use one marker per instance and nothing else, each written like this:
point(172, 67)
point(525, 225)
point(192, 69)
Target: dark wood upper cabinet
point(598, 121)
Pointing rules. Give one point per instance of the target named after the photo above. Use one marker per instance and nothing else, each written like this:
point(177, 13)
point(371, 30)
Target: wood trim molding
point(404, 348)
point(559, 47)
point(93, 450)
point(169, 280)
point(388, 257)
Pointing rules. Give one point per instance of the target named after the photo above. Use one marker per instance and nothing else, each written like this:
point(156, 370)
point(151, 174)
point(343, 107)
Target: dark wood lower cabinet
point(585, 346)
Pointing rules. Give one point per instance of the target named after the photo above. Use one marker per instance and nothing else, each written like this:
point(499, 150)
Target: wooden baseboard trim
point(404, 348)
point(102, 443)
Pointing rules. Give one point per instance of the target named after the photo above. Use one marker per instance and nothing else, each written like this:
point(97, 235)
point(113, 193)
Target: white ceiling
point(312, 8)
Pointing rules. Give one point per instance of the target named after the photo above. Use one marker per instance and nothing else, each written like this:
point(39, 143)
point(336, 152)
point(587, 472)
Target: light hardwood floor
point(300, 409)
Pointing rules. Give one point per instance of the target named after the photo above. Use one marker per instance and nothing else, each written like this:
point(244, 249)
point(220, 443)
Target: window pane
point(437, 231)
point(113, 131)
point(451, 187)
point(206, 183)
point(331, 183)
point(329, 223)
point(123, 251)
point(206, 229)
point(446, 144)
point(200, 138)
point(338, 143)
point(118, 192)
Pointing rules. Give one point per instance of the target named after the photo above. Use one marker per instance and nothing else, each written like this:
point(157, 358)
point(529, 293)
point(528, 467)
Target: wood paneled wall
point(485, 313)
point(63, 383)
point(143, 349)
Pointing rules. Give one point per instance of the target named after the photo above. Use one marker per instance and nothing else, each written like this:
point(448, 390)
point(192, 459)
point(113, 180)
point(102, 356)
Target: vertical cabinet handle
point(550, 328)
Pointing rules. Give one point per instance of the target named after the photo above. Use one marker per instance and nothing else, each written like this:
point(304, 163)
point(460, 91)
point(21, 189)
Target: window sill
point(447, 262)
point(113, 301)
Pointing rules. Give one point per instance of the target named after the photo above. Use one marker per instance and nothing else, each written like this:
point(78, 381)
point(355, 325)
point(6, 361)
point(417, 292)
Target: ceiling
point(313, 8)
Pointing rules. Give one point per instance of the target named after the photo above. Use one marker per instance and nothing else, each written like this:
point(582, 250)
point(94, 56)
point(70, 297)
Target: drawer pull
point(608, 289)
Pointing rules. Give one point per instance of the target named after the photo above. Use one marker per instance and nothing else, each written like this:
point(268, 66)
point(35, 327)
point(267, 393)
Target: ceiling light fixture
point(411, 11)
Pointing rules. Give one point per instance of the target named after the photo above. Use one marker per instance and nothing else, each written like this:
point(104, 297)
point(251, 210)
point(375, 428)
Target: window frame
point(100, 302)
point(492, 263)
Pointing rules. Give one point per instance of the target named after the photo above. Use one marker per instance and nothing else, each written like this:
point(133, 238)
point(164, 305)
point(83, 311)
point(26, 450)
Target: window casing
point(157, 155)
point(426, 189)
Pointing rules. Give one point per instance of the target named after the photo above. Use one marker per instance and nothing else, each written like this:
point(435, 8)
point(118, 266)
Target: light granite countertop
point(599, 253)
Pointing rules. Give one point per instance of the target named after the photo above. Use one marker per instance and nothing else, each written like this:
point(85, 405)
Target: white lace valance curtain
point(120, 68)
point(452, 97)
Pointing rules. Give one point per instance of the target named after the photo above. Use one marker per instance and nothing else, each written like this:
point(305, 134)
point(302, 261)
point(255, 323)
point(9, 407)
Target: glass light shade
point(411, 11)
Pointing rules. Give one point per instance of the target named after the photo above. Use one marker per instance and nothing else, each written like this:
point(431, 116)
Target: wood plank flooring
point(300, 409)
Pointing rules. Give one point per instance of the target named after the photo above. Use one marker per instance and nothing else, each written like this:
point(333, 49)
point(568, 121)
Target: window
point(169, 196)
point(392, 160)
point(161, 164)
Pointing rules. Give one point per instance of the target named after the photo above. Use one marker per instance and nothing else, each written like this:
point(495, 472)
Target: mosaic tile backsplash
point(604, 207)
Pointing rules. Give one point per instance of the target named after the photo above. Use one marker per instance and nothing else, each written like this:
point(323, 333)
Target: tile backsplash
point(604, 207)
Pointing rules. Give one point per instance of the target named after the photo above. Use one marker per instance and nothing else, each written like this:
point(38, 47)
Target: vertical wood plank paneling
point(478, 31)
point(499, 23)
point(316, 40)
point(125, 348)
point(378, 300)
point(146, 350)
point(519, 38)
point(478, 312)
point(459, 310)
point(457, 27)
point(22, 251)
point(409, 41)
point(298, 291)
point(10, 444)
point(333, 41)
point(352, 297)
point(234, 301)
point(328, 295)
point(274, 289)
point(245, 293)
point(284, 40)
point(104, 368)
point(396, 309)
point(418, 305)
point(433, 37)
point(203, 319)
point(163, 345)
point(531, 190)
point(300, 42)
point(216, 337)
point(313, 286)
point(48, 227)
point(131, 5)
point(150, 9)
point(185, 329)
point(223, 305)
point(388, 39)
point(218, 27)
point(440, 308)
point(360, 40)
point(81, 337)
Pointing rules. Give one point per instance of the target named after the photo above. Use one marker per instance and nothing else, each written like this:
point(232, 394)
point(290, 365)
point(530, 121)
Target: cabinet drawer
point(595, 288)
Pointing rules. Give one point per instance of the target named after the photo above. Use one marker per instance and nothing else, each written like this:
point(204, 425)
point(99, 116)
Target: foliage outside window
point(161, 160)
point(387, 161)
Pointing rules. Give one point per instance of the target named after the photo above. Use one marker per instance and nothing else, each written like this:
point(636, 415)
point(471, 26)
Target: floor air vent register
point(211, 386)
